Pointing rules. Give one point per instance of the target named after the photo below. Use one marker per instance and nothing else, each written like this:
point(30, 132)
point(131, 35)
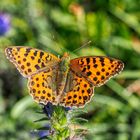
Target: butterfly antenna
point(84, 45)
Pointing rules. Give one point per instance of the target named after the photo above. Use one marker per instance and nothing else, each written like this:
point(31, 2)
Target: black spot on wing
point(37, 67)
point(41, 54)
point(94, 60)
point(35, 53)
point(88, 60)
point(101, 59)
point(95, 66)
point(84, 69)
point(89, 73)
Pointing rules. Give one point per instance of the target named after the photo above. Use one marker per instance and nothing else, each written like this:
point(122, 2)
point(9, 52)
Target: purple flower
point(48, 109)
point(42, 132)
point(4, 23)
point(67, 108)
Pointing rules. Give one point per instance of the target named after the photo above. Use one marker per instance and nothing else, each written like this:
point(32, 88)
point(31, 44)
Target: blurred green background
point(60, 26)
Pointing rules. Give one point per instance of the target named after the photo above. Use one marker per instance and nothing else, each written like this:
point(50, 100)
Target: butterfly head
point(65, 55)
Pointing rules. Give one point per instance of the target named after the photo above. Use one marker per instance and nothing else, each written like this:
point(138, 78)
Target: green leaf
point(42, 119)
point(21, 106)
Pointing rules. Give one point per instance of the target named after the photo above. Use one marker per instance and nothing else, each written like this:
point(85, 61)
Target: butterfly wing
point(28, 60)
point(40, 68)
point(42, 86)
point(96, 70)
point(78, 91)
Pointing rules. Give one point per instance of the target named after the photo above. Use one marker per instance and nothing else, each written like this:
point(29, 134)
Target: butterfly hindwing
point(78, 91)
point(96, 69)
point(42, 86)
point(29, 60)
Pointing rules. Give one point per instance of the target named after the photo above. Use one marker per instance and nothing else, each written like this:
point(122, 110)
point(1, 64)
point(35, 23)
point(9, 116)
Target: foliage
point(58, 26)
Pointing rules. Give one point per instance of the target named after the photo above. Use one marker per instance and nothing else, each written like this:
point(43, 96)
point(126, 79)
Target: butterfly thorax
point(62, 74)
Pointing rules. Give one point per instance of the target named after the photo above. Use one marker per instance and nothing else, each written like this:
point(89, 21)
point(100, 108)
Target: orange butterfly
point(62, 81)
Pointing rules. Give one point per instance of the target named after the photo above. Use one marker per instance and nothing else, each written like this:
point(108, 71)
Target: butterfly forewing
point(96, 69)
point(29, 60)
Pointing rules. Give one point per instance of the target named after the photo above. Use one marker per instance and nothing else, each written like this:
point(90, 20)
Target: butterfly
point(61, 80)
